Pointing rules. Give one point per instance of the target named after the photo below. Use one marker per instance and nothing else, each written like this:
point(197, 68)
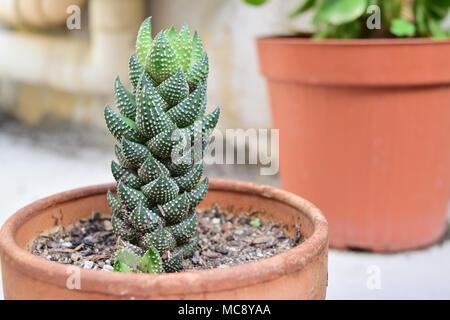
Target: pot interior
point(49, 215)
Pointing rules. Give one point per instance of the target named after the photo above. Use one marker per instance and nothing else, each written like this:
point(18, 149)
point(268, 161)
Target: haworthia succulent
point(158, 127)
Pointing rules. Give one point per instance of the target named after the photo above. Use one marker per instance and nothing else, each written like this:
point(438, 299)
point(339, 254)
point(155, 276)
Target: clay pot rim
point(292, 40)
point(196, 281)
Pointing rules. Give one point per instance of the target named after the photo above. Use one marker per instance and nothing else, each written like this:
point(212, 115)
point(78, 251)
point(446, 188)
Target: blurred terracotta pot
point(365, 134)
point(299, 273)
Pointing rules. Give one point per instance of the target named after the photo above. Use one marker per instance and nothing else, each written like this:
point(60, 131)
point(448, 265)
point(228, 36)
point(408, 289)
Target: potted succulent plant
point(365, 102)
point(161, 129)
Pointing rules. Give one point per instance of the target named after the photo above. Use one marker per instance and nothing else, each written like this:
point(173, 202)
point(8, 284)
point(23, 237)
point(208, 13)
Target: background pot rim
point(197, 281)
point(293, 40)
point(355, 62)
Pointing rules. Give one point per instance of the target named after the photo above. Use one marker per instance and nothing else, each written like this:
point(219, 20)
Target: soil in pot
point(225, 240)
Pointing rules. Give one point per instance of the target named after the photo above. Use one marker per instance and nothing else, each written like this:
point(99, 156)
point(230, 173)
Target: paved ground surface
point(38, 163)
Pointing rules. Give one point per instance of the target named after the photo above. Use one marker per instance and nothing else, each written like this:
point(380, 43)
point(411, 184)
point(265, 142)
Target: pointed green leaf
point(144, 80)
point(184, 230)
point(121, 126)
point(174, 263)
point(162, 61)
point(184, 113)
point(144, 40)
point(127, 257)
point(162, 144)
point(124, 163)
point(161, 239)
point(178, 168)
point(188, 181)
point(175, 89)
point(114, 204)
point(198, 73)
point(130, 197)
point(183, 47)
point(135, 153)
point(135, 71)
point(160, 190)
point(125, 175)
point(151, 169)
point(176, 209)
point(126, 244)
point(183, 163)
point(197, 49)
point(198, 194)
point(151, 118)
point(151, 262)
point(144, 220)
point(201, 129)
point(146, 93)
point(190, 247)
point(172, 36)
point(121, 267)
point(124, 100)
point(122, 229)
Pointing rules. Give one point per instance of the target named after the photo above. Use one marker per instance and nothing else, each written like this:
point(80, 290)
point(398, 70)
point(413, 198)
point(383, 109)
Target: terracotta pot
point(299, 273)
point(365, 134)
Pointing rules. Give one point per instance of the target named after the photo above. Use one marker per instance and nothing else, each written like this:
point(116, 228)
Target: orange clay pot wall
point(299, 273)
point(365, 134)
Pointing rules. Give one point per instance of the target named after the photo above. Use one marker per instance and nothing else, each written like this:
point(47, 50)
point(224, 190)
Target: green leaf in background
point(390, 10)
point(438, 9)
point(255, 2)
point(402, 28)
point(339, 11)
point(436, 30)
point(345, 18)
point(421, 20)
point(305, 6)
point(351, 30)
point(151, 262)
point(255, 223)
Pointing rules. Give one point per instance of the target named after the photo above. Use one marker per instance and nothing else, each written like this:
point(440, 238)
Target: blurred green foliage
point(398, 18)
